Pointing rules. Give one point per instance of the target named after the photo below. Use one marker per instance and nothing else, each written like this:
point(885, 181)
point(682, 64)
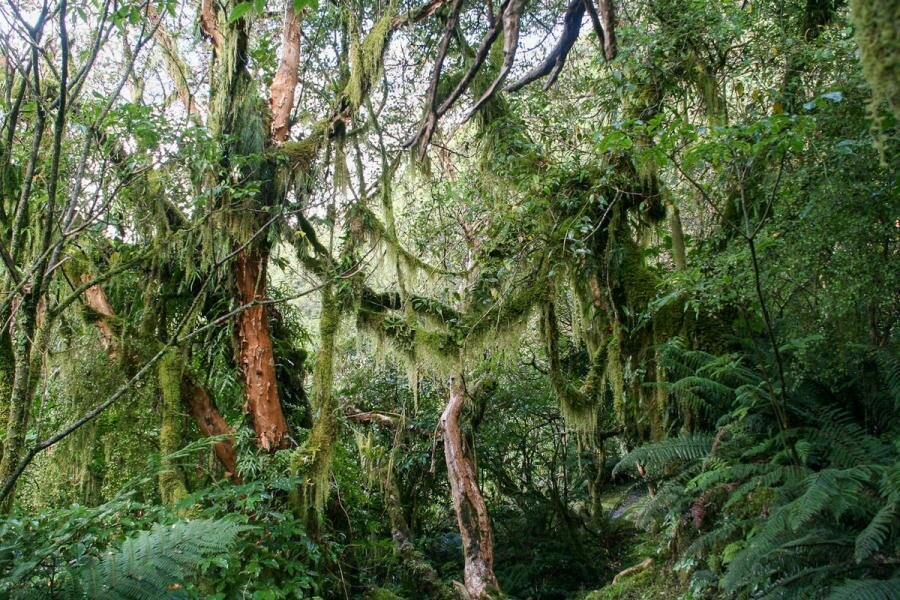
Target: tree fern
point(155, 563)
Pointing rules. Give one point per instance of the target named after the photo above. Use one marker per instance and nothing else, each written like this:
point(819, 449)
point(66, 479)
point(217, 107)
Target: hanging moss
point(878, 36)
point(312, 461)
point(366, 58)
point(171, 481)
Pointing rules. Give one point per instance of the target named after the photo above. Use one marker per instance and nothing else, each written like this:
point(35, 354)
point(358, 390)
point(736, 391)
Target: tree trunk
point(255, 355)
point(172, 488)
point(22, 333)
point(211, 423)
point(6, 379)
point(471, 511)
point(679, 256)
point(418, 570)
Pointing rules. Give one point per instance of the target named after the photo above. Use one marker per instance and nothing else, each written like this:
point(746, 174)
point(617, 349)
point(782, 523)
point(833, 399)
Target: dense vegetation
point(454, 299)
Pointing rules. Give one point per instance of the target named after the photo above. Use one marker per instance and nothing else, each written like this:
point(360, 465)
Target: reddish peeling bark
point(255, 355)
point(471, 512)
point(281, 99)
point(209, 24)
point(211, 423)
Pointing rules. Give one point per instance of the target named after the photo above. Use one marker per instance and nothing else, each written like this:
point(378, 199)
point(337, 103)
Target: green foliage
point(759, 520)
point(154, 563)
point(866, 589)
point(657, 457)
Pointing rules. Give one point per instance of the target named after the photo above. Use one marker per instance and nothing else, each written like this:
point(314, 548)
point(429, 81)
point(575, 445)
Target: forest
point(450, 299)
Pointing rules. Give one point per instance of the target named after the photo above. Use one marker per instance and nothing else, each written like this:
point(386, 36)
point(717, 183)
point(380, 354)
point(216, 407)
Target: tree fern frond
point(831, 490)
point(889, 369)
point(867, 589)
point(155, 563)
point(767, 478)
point(876, 532)
point(658, 455)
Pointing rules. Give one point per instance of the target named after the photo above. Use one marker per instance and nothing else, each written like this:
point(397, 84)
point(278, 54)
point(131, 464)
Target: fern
point(783, 529)
point(156, 563)
point(658, 456)
point(867, 589)
point(872, 538)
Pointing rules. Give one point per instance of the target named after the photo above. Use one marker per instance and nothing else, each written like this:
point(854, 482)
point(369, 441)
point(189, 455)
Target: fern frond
point(661, 454)
point(831, 490)
point(155, 563)
point(867, 589)
point(889, 369)
point(876, 532)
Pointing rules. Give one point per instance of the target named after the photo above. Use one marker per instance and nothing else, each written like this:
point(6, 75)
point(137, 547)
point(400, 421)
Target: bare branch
point(281, 99)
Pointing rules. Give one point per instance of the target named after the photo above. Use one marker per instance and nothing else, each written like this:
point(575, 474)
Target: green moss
point(171, 481)
point(653, 582)
point(878, 37)
point(382, 594)
point(312, 460)
point(366, 58)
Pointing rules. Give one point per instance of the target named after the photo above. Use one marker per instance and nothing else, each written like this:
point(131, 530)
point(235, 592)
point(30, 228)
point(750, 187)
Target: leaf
point(239, 11)
point(299, 5)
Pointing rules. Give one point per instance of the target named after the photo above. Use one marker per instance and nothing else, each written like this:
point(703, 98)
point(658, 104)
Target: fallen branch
point(632, 570)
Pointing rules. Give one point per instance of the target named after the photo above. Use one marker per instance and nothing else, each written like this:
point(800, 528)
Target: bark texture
point(255, 355)
point(281, 99)
point(471, 511)
point(96, 300)
point(211, 423)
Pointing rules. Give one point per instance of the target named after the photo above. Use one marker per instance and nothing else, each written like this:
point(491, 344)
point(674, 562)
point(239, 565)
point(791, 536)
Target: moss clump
point(878, 38)
point(382, 594)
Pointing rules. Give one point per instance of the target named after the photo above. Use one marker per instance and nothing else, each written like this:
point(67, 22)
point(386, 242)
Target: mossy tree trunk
point(471, 511)
point(172, 488)
point(676, 230)
point(192, 395)
point(7, 369)
point(23, 329)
